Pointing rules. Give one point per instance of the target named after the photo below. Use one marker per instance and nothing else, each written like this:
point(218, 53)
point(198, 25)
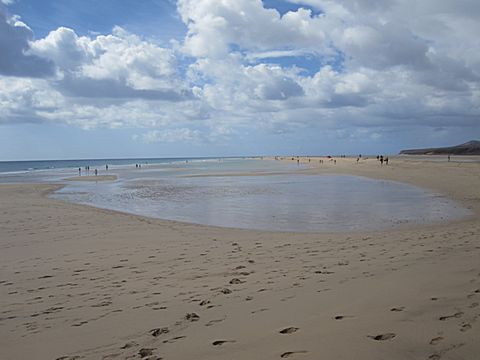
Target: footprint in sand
point(192, 317)
point(446, 317)
point(128, 345)
point(465, 327)
point(145, 352)
point(214, 321)
point(174, 339)
point(382, 337)
point(436, 340)
point(341, 317)
point(434, 357)
point(236, 281)
point(221, 342)
point(291, 353)
point(288, 330)
point(159, 331)
point(399, 308)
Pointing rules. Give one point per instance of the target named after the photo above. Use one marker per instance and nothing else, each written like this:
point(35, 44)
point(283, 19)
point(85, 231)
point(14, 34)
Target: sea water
point(254, 194)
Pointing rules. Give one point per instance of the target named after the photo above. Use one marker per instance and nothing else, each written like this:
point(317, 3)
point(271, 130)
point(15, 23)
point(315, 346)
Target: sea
point(247, 193)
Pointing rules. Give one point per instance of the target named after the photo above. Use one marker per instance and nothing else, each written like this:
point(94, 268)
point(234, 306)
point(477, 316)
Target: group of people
point(382, 159)
point(87, 170)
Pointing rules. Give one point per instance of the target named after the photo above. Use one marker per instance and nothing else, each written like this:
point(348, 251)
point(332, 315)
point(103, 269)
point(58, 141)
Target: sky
point(165, 78)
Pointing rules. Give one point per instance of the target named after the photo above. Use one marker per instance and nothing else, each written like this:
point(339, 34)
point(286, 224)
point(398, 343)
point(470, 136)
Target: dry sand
point(83, 283)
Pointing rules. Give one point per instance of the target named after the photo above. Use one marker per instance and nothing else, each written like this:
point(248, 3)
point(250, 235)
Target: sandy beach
point(77, 282)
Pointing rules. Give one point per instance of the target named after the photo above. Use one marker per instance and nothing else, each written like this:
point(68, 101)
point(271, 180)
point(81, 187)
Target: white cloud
point(16, 59)
point(375, 67)
point(214, 25)
point(170, 136)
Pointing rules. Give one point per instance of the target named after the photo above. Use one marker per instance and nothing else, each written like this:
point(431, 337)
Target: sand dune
point(83, 283)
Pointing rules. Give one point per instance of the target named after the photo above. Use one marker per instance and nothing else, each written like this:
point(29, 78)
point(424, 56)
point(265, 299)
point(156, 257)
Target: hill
point(469, 148)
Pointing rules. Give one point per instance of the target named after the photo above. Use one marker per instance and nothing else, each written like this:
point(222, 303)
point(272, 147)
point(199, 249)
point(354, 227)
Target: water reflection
point(307, 203)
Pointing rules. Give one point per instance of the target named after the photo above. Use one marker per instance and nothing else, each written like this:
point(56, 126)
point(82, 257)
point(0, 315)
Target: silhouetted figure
point(79, 171)
point(386, 161)
point(106, 167)
point(96, 172)
point(448, 157)
point(381, 159)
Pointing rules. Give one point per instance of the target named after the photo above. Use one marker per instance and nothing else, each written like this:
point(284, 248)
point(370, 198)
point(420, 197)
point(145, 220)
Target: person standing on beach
point(106, 167)
point(79, 171)
point(96, 172)
point(381, 159)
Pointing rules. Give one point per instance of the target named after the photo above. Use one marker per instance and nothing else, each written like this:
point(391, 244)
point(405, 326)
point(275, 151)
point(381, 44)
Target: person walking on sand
point(96, 172)
point(381, 159)
point(386, 161)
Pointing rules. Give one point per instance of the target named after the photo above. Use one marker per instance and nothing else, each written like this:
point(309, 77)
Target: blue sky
point(164, 78)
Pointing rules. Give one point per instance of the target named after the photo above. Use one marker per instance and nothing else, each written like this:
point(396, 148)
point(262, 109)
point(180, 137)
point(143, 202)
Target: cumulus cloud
point(16, 59)
point(171, 136)
point(213, 26)
point(119, 65)
point(372, 67)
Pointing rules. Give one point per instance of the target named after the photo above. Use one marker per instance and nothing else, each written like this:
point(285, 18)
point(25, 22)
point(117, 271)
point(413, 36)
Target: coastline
point(93, 283)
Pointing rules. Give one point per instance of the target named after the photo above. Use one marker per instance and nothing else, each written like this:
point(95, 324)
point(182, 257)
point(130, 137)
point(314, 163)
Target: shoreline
point(83, 281)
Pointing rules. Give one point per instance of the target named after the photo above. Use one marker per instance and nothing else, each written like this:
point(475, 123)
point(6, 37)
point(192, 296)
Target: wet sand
point(93, 178)
point(78, 282)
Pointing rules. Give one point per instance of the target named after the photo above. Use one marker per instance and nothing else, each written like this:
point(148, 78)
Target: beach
point(78, 282)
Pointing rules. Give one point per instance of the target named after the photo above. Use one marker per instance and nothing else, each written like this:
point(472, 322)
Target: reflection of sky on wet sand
point(284, 202)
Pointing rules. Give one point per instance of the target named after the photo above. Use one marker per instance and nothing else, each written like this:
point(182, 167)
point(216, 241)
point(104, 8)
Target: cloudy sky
point(161, 78)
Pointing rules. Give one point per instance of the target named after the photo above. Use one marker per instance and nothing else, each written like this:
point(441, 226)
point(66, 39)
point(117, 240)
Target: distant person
point(386, 161)
point(448, 157)
point(358, 159)
point(298, 162)
point(136, 166)
point(96, 172)
point(335, 161)
point(106, 167)
point(381, 159)
point(79, 171)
